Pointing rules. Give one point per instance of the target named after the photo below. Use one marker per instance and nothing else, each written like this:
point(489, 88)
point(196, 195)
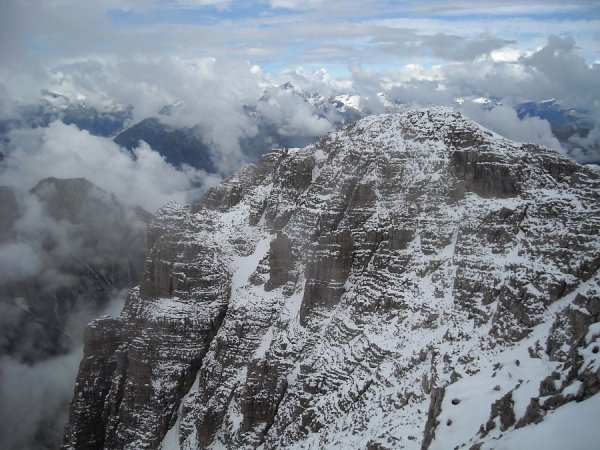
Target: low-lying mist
point(35, 396)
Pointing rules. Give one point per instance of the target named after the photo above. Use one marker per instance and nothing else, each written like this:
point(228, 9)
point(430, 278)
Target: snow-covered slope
point(412, 281)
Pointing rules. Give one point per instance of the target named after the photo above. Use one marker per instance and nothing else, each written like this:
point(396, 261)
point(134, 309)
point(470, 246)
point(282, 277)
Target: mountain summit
point(412, 281)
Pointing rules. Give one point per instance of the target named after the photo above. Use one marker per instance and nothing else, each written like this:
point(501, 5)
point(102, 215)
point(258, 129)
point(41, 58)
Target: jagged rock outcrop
point(145, 361)
point(326, 297)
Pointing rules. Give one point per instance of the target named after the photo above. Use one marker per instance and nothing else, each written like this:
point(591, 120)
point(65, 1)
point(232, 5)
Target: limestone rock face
point(354, 294)
point(138, 367)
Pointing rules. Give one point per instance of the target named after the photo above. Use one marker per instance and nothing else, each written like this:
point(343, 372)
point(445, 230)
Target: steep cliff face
point(409, 282)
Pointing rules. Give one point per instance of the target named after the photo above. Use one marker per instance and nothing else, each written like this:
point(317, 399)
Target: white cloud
point(292, 115)
point(303, 121)
point(456, 48)
point(7, 105)
point(18, 261)
point(294, 4)
point(504, 120)
point(506, 54)
point(63, 151)
point(586, 149)
point(219, 4)
point(557, 67)
point(35, 396)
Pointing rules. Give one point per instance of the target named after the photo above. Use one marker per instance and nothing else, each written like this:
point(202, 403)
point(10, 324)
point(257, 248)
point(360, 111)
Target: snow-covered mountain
point(106, 121)
point(411, 281)
point(284, 116)
point(565, 122)
point(281, 114)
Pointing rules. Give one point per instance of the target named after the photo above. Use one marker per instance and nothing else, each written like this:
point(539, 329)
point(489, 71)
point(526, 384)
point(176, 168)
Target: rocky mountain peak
point(82, 203)
point(349, 293)
point(428, 124)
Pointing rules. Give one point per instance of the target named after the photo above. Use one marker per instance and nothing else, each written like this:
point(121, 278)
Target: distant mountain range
point(187, 145)
point(565, 122)
point(177, 145)
point(53, 106)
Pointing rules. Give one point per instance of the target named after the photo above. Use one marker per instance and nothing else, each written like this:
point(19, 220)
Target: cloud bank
point(63, 151)
point(35, 396)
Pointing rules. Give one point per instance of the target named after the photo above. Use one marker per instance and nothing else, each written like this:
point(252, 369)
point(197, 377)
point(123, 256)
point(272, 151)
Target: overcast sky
point(219, 55)
point(85, 41)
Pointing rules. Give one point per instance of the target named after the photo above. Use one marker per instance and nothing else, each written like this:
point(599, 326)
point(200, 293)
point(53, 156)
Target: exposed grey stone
point(435, 408)
point(281, 261)
point(503, 410)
